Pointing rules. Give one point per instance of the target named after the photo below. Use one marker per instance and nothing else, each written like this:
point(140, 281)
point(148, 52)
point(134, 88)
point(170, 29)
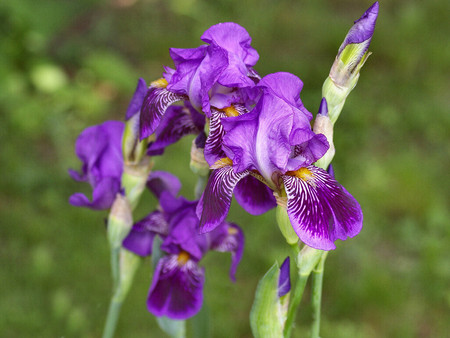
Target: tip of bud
point(323, 109)
point(363, 28)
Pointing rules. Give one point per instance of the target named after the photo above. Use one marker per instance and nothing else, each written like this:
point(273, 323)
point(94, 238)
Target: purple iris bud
point(284, 282)
point(362, 30)
point(177, 287)
point(218, 75)
point(100, 150)
point(274, 144)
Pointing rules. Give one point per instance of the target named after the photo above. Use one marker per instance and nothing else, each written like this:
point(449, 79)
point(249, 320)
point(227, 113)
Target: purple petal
point(308, 152)
point(138, 98)
point(216, 199)
point(254, 196)
point(362, 30)
point(183, 234)
point(177, 122)
point(213, 146)
point(140, 238)
point(153, 108)
point(234, 38)
point(177, 289)
point(228, 238)
point(160, 181)
point(284, 282)
point(102, 197)
point(320, 209)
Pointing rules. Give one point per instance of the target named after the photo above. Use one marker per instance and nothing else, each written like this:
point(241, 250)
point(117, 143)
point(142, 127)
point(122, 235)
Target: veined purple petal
point(138, 98)
point(254, 196)
point(320, 209)
point(177, 288)
point(140, 238)
point(155, 103)
point(160, 181)
point(284, 281)
point(228, 238)
point(216, 199)
point(213, 146)
point(362, 30)
point(177, 122)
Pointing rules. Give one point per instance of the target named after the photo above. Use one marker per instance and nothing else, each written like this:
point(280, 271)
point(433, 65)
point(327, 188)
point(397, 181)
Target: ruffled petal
point(216, 199)
point(157, 100)
point(229, 238)
point(177, 289)
point(254, 196)
point(320, 209)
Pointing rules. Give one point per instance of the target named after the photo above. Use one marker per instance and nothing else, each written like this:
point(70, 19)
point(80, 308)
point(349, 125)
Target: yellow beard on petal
point(160, 83)
point(222, 163)
point(304, 174)
point(182, 258)
point(230, 111)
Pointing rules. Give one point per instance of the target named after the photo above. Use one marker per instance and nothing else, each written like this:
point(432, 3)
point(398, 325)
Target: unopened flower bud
point(120, 221)
point(323, 125)
point(284, 224)
point(351, 56)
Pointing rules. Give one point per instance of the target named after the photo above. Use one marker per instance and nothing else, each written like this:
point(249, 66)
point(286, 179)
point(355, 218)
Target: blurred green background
point(65, 65)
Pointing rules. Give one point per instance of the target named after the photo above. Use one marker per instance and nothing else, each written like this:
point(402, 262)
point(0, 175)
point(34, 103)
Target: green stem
point(200, 186)
point(317, 281)
point(294, 303)
point(112, 318)
point(115, 267)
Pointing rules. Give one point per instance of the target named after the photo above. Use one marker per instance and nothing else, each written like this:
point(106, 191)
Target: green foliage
point(66, 65)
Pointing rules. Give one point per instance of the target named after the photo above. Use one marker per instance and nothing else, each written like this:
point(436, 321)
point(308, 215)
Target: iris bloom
point(100, 149)
point(217, 74)
point(274, 143)
point(177, 286)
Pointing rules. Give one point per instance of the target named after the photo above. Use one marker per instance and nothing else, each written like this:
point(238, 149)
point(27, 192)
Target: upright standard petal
point(215, 202)
point(320, 209)
point(177, 288)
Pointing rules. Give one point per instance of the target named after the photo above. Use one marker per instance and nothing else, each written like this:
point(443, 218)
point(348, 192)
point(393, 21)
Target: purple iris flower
point(274, 144)
point(100, 149)
point(284, 281)
point(217, 74)
point(177, 286)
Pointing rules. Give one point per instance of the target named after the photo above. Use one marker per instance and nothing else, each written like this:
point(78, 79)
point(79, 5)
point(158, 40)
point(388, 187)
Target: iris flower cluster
point(256, 138)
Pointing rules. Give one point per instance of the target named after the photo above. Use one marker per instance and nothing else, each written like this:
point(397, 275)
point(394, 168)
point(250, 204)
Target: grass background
point(65, 65)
